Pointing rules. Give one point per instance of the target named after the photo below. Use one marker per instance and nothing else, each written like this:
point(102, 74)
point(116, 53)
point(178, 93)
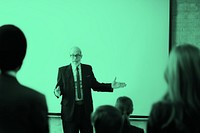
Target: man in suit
point(125, 106)
point(22, 109)
point(74, 83)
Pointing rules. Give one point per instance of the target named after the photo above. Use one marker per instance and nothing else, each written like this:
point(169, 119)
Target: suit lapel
point(68, 72)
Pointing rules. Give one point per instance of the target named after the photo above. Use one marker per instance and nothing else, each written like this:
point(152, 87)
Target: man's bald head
point(76, 55)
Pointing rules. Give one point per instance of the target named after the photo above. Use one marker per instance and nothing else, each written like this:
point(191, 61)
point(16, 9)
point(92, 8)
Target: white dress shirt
point(74, 70)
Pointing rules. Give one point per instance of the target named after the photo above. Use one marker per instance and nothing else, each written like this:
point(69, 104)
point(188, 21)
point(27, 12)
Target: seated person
point(125, 105)
point(106, 119)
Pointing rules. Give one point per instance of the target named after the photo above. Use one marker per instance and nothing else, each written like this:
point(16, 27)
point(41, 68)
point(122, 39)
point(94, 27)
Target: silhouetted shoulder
point(134, 129)
point(161, 110)
point(30, 95)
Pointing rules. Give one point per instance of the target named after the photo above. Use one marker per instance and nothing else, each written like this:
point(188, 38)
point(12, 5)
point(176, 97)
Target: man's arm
point(57, 90)
point(105, 86)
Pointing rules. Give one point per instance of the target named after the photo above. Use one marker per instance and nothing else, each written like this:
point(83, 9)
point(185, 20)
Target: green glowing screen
point(127, 39)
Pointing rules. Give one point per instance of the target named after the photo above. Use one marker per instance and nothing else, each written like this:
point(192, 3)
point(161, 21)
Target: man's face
point(76, 56)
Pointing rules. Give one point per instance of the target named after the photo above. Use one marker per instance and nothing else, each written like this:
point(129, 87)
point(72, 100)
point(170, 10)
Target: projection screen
point(126, 39)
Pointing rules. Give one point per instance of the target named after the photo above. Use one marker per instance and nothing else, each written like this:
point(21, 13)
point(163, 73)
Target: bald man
point(74, 83)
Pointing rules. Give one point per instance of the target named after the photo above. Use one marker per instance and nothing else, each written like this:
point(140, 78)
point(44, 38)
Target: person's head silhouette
point(13, 47)
point(106, 119)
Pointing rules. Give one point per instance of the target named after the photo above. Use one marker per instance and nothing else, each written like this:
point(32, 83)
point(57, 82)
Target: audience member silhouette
point(22, 109)
point(106, 119)
point(179, 110)
point(125, 105)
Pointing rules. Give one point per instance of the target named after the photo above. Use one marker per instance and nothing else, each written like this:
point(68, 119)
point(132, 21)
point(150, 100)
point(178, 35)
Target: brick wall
point(185, 22)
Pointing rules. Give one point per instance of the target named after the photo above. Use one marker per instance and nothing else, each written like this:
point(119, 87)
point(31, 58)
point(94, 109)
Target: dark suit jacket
point(134, 129)
point(128, 128)
point(22, 110)
point(66, 83)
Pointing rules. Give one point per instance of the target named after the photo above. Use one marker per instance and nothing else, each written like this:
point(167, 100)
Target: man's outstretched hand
point(57, 92)
point(116, 85)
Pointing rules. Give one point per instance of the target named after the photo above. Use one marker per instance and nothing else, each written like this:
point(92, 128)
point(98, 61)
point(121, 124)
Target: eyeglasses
point(75, 55)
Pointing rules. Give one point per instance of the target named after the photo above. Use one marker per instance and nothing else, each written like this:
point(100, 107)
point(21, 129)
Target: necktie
point(78, 83)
